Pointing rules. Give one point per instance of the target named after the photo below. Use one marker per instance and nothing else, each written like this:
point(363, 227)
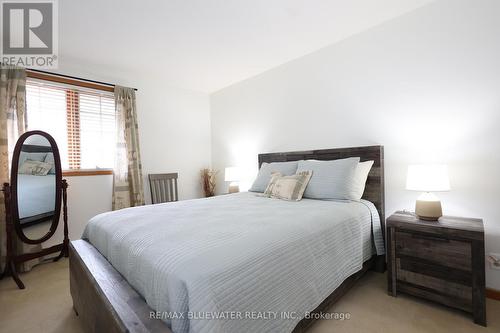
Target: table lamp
point(232, 175)
point(427, 179)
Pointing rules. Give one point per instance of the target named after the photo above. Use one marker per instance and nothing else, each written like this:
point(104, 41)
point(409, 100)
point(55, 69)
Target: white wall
point(174, 127)
point(87, 197)
point(425, 85)
point(174, 130)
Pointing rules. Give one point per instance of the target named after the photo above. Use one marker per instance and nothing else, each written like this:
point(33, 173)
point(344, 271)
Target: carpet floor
point(46, 306)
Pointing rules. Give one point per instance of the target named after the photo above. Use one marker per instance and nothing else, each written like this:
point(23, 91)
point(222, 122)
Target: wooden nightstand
point(442, 261)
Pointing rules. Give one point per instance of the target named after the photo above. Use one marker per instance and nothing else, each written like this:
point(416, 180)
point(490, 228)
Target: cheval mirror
point(33, 200)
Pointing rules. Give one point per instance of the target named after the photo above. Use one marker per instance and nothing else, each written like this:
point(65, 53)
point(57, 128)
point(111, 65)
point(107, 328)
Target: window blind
point(82, 121)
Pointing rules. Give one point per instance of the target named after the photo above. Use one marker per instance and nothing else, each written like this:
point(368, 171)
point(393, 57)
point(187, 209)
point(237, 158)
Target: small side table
point(442, 261)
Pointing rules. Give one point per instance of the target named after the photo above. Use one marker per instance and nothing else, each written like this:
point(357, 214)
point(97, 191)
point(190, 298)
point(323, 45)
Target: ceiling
point(206, 45)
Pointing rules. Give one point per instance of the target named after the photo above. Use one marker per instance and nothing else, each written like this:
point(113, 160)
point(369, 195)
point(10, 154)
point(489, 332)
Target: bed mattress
point(238, 262)
point(36, 194)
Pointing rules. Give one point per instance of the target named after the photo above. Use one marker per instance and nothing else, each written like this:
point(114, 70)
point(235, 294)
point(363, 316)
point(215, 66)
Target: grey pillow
point(264, 176)
point(330, 179)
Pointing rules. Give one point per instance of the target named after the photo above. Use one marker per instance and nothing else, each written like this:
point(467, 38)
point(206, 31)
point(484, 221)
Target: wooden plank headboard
point(374, 190)
point(36, 149)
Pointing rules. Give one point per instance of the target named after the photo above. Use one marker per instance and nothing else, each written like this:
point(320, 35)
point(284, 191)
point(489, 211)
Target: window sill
point(87, 172)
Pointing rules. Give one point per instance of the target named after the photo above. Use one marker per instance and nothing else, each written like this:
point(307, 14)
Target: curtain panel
point(128, 190)
point(12, 124)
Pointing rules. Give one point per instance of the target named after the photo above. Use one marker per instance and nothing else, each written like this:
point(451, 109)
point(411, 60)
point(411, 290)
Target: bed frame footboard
point(103, 299)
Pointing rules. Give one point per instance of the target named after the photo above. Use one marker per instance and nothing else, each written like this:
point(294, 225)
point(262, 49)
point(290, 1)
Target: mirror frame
point(13, 182)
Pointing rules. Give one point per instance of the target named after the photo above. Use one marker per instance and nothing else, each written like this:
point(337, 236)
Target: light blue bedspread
point(237, 256)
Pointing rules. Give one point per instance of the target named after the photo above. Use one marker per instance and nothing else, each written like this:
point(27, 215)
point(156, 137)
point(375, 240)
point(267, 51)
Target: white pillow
point(360, 177)
point(330, 179)
point(50, 159)
point(264, 176)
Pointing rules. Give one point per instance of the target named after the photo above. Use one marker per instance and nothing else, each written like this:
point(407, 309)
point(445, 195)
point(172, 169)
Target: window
point(81, 120)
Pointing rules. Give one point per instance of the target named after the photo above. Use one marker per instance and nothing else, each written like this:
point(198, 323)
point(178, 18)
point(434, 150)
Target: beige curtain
point(128, 190)
point(12, 124)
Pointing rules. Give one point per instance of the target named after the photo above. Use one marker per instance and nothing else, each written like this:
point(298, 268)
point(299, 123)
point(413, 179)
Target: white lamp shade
point(427, 178)
point(232, 174)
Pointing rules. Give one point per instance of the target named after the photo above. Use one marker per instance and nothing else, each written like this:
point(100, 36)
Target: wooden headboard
point(36, 149)
point(374, 190)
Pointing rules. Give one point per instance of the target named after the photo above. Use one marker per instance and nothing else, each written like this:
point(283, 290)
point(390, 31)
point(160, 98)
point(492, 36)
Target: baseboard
point(493, 294)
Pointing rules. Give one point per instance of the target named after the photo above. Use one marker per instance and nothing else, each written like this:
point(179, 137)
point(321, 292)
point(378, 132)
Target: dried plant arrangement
point(208, 180)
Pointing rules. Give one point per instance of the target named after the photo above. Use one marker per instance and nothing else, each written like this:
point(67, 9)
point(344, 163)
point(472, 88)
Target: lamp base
point(429, 210)
point(233, 188)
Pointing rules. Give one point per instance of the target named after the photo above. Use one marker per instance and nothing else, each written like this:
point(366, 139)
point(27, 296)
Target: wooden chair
point(163, 187)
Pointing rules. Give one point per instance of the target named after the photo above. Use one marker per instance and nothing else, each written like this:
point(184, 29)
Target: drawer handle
point(433, 238)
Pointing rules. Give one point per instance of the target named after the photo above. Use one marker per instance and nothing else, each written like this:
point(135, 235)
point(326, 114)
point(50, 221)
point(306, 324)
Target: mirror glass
point(36, 187)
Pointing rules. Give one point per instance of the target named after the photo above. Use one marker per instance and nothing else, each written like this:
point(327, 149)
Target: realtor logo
point(29, 33)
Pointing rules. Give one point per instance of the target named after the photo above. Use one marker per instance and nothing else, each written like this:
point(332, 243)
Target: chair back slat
point(154, 191)
point(163, 187)
point(163, 192)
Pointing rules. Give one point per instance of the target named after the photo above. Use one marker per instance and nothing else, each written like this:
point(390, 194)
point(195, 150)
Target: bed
point(36, 196)
point(276, 257)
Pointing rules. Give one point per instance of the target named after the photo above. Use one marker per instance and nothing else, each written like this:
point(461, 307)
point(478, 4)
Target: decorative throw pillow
point(274, 177)
point(35, 168)
point(266, 169)
point(288, 187)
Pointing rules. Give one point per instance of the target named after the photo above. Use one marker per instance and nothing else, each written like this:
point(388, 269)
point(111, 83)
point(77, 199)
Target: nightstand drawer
point(433, 279)
point(451, 253)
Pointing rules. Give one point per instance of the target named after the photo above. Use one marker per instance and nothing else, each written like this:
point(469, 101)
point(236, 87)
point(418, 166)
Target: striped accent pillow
point(274, 178)
point(288, 187)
